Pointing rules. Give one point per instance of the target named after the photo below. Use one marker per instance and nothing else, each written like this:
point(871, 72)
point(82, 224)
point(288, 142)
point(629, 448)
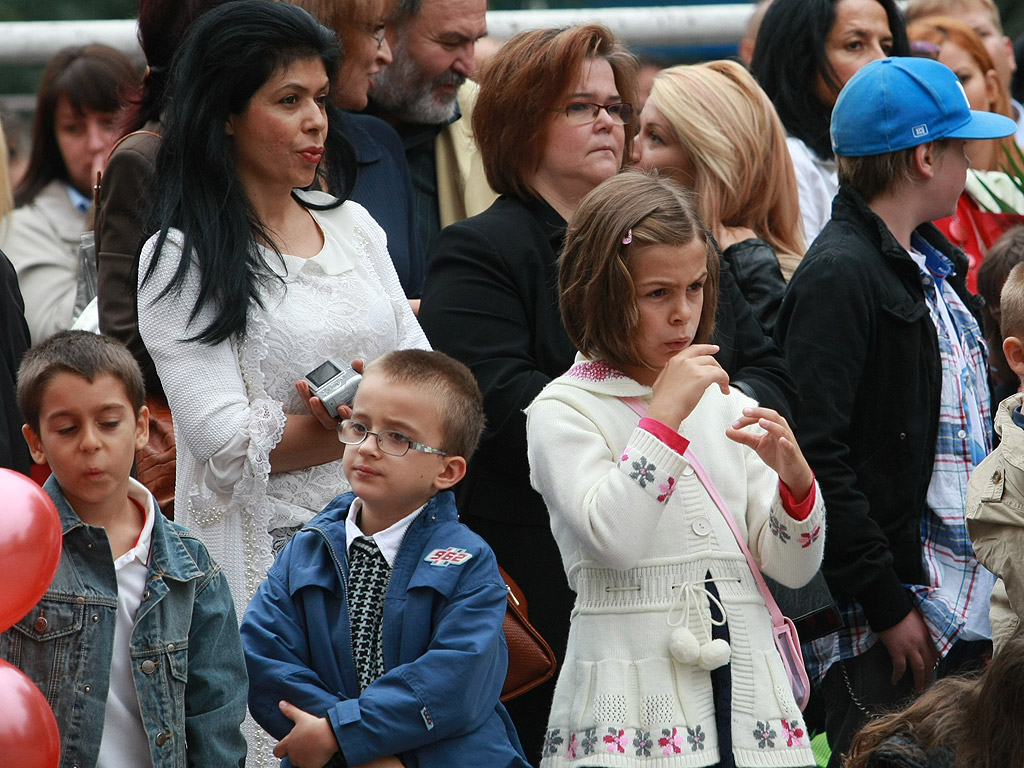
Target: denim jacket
point(187, 657)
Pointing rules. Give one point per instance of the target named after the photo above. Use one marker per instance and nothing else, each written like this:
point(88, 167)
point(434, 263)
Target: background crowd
point(281, 187)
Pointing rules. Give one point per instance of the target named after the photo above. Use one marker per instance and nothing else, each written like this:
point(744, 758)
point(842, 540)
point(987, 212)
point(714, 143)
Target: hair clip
point(629, 237)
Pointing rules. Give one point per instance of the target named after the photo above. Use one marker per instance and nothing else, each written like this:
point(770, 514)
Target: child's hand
point(681, 383)
point(910, 645)
point(311, 743)
point(776, 446)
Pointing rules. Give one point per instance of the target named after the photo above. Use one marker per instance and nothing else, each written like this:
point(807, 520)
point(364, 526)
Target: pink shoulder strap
point(773, 608)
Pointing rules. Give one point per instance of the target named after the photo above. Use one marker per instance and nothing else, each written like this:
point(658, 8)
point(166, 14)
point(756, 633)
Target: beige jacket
point(995, 521)
point(42, 240)
point(462, 188)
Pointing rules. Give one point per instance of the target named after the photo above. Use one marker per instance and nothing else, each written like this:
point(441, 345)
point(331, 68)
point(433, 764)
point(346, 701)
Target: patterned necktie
point(368, 577)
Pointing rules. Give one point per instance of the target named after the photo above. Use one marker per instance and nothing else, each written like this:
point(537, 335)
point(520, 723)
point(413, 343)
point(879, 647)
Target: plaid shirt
point(957, 582)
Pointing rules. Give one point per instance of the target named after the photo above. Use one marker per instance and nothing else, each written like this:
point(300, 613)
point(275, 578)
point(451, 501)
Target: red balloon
point(28, 729)
point(30, 542)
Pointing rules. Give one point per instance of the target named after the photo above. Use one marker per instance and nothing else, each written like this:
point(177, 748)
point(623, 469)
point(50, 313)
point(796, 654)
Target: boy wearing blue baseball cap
point(891, 370)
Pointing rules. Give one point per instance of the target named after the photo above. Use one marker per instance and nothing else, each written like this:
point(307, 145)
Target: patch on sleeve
point(426, 719)
point(446, 557)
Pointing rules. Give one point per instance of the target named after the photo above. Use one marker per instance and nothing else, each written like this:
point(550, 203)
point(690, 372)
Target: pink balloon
point(28, 729)
point(30, 543)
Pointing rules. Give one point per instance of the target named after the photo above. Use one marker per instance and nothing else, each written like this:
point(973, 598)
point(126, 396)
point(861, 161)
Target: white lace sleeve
point(410, 334)
point(204, 384)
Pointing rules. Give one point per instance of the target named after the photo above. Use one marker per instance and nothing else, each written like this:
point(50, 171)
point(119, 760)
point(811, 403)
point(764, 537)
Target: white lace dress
point(229, 400)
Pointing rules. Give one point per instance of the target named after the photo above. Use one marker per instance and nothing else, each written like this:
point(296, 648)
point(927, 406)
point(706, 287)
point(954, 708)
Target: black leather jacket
point(855, 329)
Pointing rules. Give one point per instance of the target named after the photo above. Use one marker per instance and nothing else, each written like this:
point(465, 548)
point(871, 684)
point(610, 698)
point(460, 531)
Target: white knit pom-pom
point(714, 654)
point(684, 646)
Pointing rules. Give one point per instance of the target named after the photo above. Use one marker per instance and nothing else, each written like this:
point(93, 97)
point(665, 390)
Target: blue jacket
point(444, 650)
point(189, 671)
point(383, 187)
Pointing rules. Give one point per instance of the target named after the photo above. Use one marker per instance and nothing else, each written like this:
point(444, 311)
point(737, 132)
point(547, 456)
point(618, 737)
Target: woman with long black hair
point(245, 288)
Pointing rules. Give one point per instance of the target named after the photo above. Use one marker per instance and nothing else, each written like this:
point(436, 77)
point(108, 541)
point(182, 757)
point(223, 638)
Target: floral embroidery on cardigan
point(594, 370)
point(552, 741)
point(616, 739)
point(778, 528)
point(765, 735)
point(671, 741)
point(667, 489)
point(792, 733)
point(695, 737)
point(643, 743)
point(643, 472)
point(806, 539)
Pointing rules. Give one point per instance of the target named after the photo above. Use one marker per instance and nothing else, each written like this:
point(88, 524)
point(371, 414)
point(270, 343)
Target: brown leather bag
point(530, 659)
point(155, 461)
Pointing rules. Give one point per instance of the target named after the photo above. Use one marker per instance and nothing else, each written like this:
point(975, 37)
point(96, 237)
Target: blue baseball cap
point(902, 102)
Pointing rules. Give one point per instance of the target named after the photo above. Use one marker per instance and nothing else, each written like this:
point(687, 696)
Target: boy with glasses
point(377, 636)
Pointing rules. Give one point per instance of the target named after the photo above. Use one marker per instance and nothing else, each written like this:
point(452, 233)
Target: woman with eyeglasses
point(553, 120)
point(382, 182)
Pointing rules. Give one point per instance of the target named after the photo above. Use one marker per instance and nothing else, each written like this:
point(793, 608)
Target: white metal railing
point(33, 42)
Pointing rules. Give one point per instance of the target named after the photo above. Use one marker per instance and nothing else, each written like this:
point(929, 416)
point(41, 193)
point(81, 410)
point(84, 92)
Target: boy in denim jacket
point(995, 492)
point(406, 667)
point(135, 643)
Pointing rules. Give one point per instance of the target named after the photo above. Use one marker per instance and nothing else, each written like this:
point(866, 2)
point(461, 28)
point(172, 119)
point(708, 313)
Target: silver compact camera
point(335, 383)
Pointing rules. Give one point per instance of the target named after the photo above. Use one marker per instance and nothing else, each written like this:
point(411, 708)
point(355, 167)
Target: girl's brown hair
point(597, 296)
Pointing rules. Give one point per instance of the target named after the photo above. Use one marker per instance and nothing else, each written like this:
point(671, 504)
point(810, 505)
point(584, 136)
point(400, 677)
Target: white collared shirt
point(388, 541)
point(124, 740)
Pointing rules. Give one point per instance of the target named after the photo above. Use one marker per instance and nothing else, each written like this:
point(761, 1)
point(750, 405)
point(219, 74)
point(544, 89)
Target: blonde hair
point(1011, 303)
point(736, 144)
point(918, 9)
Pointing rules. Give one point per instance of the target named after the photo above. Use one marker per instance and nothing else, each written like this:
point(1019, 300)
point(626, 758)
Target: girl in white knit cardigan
point(671, 659)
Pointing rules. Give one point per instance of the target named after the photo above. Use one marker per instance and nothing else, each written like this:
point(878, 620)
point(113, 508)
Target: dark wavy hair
point(162, 25)
point(92, 77)
point(227, 55)
point(790, 54)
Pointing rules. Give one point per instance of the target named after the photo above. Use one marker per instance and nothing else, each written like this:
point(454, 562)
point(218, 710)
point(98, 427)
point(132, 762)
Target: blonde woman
point(712, 128)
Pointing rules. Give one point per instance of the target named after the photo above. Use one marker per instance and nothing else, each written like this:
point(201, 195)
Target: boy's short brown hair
point(874, 175)
point(84, 354)
point(460, 406)
point(1011, 304)
point(596, 291)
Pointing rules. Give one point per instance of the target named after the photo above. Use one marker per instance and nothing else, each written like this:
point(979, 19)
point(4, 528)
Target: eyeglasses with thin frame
point(377, 33)
point(586, 112)
point(390, 441)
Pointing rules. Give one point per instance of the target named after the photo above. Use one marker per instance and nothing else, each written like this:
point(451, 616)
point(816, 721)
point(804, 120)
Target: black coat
point(856, 330)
